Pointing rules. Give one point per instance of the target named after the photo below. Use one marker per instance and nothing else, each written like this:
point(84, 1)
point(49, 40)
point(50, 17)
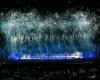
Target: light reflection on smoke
point(29, 33)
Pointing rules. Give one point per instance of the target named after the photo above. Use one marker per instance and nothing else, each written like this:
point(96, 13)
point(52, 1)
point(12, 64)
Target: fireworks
point(31, 33)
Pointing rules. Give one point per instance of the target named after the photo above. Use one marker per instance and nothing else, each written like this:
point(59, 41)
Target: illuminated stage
point(75, 55)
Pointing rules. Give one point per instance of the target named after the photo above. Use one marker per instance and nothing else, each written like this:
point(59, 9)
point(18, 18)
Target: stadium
point(46, 43)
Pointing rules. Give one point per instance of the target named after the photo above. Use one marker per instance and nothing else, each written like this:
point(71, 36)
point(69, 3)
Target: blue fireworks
point(55, 36)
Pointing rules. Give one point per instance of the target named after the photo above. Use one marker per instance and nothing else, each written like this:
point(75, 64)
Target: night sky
point(49, 5)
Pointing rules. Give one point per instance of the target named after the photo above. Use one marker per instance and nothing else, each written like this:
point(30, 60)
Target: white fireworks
point(26, 30)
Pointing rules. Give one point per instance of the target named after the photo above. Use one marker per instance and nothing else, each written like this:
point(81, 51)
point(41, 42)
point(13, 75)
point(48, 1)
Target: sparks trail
point(29, 33)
